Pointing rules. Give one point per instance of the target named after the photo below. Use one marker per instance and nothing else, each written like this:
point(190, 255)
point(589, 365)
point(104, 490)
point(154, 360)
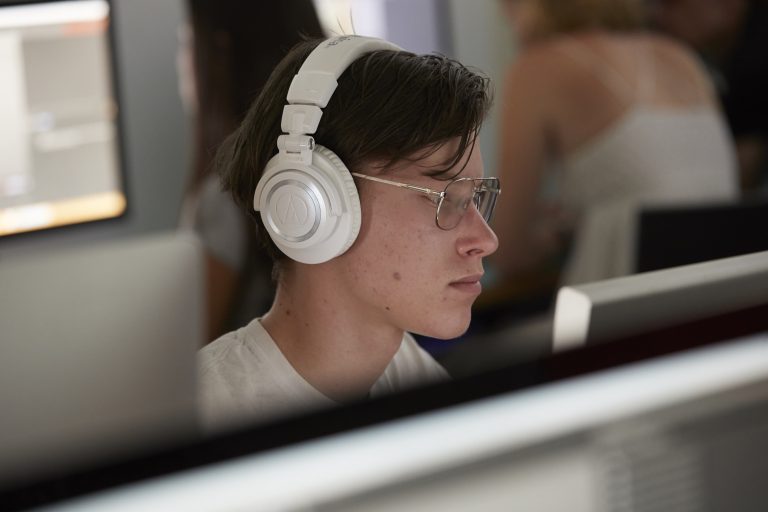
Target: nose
point(476, 238)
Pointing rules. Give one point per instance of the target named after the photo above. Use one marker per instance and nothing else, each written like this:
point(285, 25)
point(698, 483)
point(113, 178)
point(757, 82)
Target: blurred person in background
point(597, 118)
point(228, 49)
point(731, 37)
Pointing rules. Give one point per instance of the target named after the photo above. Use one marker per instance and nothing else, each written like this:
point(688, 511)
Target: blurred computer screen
point(59, 129)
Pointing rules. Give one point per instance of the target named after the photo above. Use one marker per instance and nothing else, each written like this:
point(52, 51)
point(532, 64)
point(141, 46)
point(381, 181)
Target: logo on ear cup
point(292, 210)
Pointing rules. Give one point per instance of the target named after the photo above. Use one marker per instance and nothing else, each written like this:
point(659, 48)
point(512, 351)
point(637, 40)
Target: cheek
point(395, 248)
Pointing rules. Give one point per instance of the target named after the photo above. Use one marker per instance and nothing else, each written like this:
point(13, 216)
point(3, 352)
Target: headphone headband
point(317, 79)
point(314, 84)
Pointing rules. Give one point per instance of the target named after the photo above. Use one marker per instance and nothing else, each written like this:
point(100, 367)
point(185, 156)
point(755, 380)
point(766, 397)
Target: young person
point(598, 119)
point(371, 194)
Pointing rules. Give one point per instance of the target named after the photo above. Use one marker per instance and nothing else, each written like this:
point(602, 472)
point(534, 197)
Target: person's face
point(407, 272)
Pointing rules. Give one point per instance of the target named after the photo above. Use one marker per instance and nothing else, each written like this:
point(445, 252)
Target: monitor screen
point(59, 130)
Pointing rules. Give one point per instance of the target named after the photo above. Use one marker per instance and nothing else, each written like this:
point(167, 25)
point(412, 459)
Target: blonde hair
point(572, 15)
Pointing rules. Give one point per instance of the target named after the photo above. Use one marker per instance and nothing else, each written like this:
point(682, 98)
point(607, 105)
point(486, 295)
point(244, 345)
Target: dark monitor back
point(672, 236)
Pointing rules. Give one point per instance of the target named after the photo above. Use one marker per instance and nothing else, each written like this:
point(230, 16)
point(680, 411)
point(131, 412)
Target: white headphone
point(306, 196)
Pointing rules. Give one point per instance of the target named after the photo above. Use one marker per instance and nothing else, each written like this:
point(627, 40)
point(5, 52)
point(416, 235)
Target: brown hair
point(571, 15)
point(389, 106)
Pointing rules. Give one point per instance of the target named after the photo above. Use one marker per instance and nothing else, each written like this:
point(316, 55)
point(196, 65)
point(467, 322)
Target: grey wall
point(155, 125)
point(421, 26)
point(481, 38)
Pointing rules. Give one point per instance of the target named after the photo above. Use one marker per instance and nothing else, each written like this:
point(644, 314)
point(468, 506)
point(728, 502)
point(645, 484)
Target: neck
point(327, 336)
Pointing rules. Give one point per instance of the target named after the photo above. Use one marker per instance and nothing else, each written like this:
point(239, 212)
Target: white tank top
point(651, 155)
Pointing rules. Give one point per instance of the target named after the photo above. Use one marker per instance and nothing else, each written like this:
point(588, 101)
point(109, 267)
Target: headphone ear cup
point(311, 211)
point(347, 189)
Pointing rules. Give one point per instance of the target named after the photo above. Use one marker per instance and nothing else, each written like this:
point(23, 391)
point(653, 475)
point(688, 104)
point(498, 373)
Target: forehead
point(424, 164)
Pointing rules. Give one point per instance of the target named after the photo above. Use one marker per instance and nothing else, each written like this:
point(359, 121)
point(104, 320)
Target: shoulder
point(678, 62)
point(665, 43)
point(244, 350)
point(226, 350)
point(672, 53)
point(666, 47)
point(238, 379)
point(221, 372)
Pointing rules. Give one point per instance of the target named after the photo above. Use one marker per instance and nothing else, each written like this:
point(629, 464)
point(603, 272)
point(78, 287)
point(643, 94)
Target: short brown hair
point(571, 15)
point(389, 106)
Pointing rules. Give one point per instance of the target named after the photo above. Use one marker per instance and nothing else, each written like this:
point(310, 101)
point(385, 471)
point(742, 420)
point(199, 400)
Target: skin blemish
point(397, 276)
point(288, 312)
point(387, 308)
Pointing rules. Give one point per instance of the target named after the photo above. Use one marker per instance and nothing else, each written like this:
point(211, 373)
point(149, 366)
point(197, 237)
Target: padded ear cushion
point(349, 190)
point(311, 211)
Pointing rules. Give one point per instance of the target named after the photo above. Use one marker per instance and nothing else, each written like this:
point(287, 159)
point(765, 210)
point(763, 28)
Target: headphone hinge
point(296, 147)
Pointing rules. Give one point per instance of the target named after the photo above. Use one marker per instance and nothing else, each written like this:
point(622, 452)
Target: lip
point(468, 284)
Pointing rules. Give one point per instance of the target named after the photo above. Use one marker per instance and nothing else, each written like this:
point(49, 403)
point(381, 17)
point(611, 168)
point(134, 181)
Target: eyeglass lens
point(459, 195)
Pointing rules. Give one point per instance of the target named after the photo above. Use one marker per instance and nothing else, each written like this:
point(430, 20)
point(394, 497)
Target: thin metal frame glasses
point(452, 202)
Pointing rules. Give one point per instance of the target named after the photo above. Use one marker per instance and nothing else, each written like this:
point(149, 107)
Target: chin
point(448, 327)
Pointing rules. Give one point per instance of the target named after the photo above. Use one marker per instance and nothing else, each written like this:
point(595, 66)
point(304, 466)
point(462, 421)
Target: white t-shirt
point(244, 377)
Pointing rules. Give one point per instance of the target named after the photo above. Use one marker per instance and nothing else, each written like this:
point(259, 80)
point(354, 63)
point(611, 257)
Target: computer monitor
point(97, 359)
point(714, 292)
point(638, 419)
point(60, 126)
point(676, 235)
point(680, 431)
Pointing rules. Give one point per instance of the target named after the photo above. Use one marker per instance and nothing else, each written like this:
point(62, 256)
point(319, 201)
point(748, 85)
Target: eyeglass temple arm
point(401, 185)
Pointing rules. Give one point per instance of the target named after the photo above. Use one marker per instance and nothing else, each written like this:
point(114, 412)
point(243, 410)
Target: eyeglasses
point(455, 198)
